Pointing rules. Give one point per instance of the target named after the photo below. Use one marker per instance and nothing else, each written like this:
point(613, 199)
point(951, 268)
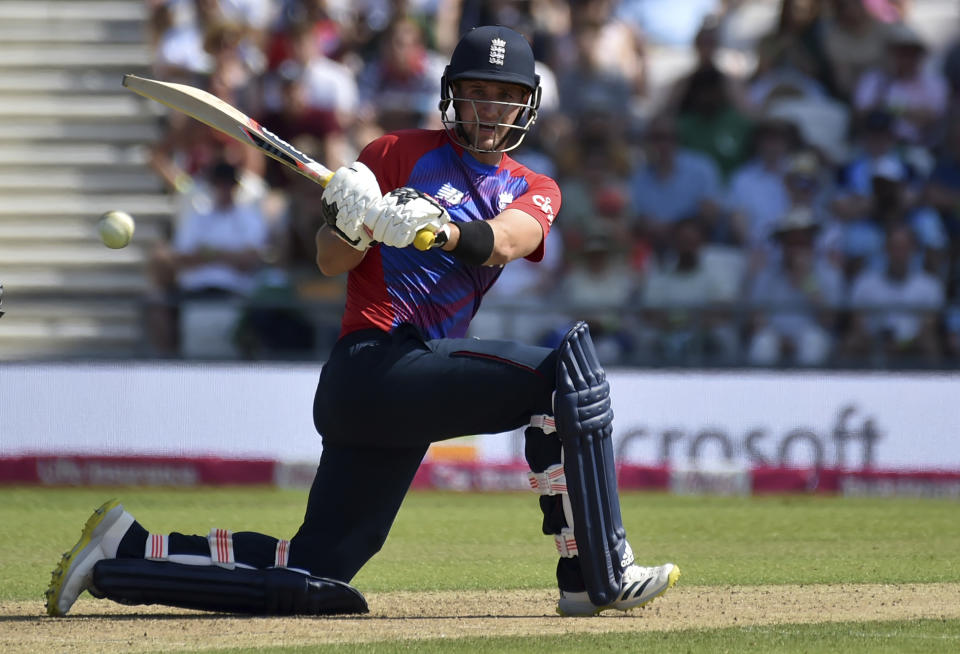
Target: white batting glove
point(351, 192)
point(404, 212)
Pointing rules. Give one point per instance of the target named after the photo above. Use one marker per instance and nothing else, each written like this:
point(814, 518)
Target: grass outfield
point(489, 545)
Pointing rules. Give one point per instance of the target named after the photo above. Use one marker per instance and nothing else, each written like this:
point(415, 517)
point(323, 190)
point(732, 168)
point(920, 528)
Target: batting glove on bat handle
point(403, 216)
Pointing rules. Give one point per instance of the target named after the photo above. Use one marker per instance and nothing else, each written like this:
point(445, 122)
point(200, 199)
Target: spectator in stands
point(809, 184)
point(399, 89)
point(791, 59)
point(592, 157)
point(214, 255)
point(598, 285)
point(707, 45)
point(805, 178)
point(218, 250)
point(600, 77)
point(893, 204)
point(708, 121)
point(295, 119)
point(672, 183)
point(874, 140)
point(795, 299)
point(329, 34)
point(757, 195)
point(915, 94)
point(177, 38)
point(614, 46)
point(943, 191)
point(685, 300)
point(329, 85)
point(234, 68)
point(854, 41)
point(896, 309)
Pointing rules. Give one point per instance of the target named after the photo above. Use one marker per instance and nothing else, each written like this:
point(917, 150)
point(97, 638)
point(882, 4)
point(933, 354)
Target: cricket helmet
point(497, 54)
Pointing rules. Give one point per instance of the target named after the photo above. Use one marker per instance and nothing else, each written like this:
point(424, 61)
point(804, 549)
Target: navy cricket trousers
point(381, 400)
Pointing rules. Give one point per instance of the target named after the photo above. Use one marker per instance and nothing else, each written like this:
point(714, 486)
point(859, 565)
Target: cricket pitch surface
point(98, 626)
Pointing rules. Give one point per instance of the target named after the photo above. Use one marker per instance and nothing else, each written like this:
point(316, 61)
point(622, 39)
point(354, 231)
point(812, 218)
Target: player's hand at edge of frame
point(405, 212)
point(349, 195)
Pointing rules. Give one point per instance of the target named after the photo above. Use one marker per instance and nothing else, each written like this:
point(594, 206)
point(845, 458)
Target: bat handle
point(426, 239)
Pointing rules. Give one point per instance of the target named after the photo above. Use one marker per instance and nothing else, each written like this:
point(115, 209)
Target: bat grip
point(426, 239)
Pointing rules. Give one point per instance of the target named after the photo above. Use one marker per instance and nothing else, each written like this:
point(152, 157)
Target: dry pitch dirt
point(96, 627)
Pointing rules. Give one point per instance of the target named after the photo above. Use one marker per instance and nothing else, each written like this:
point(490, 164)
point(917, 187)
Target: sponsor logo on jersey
point(505, 199)
point(498, 49)
point(545, 206)
point(449, 195)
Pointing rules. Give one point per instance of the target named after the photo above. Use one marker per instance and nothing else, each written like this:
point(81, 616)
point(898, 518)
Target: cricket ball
point(116, 229)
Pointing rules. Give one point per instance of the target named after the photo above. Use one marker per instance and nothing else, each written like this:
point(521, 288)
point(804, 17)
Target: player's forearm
point(515, 235)
point(334, 256)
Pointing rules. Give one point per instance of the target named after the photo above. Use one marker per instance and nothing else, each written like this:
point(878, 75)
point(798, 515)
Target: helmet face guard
point(516, 130)
point(494, 54)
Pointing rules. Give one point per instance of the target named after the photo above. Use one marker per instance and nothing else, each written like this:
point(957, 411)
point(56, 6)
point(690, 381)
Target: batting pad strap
point(544, 422)
point(157, 547)
point(551, 481)
point(566, 543)
point(282, 554)
point(221, 548)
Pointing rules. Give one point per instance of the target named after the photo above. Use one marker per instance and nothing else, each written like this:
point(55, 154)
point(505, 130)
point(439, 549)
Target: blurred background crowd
point(793, 200)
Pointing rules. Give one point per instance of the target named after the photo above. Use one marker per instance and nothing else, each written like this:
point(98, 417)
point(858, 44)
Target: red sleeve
point(542, 201)
point(392, 156)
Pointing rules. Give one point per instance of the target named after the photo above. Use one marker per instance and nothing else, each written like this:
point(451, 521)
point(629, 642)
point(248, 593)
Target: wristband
point(476, 242)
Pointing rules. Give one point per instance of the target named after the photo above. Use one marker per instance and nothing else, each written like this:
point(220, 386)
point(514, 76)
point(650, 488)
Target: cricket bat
point(214, 112)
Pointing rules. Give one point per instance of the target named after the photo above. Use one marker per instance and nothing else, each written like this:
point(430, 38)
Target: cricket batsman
point(403, 375)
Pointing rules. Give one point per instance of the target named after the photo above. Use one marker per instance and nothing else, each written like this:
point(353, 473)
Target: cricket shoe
point(639, 587)
point(100, 539)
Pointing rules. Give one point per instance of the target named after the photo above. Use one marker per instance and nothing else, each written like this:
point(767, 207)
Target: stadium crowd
point(796, 203)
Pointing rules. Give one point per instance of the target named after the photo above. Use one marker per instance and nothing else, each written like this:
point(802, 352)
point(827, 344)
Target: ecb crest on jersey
point(505, 199)
point(498, 49)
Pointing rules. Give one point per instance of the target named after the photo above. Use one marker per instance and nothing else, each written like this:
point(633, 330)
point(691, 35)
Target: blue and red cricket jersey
point(432, 289)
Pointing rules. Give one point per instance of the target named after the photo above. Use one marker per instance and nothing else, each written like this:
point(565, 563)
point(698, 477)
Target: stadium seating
point(73, 144)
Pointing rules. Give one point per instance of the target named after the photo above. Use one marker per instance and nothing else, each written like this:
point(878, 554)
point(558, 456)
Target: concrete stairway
point(73, 144)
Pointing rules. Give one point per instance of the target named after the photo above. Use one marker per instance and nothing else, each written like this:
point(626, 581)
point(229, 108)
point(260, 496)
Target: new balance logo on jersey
point(498, 49)
point(545, 207)
point(505, 199)
point(449, 195)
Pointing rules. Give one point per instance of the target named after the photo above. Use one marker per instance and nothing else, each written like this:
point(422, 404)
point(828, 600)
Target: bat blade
point(214, 112)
